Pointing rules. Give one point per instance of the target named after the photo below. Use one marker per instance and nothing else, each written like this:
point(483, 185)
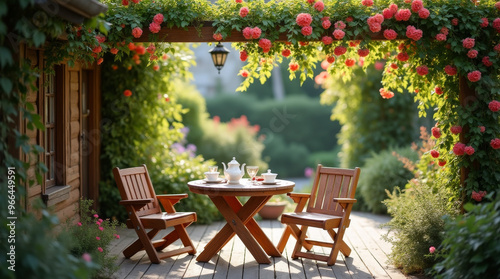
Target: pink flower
point(326, 24)
point(158, 19)
point(87, 257)
point(441, 37)
point(117, 236)
point(310, 2)
point(98, 238)
point(340, 24)
point(441, 163)
point(306, 30)
point(338, 34)
point(393, 8)
point(140, 50)
point(413, 33)
point(481, 129)
point(496, 23)
point(390, 34)
point(349, 19)
point(379, 66)
point(256, 32)
point(101, 228)
point(387, 13)
point(265, 44)
point(327, 40)
point(217, 36)
point(468, 43)
point(154, 27)
point(349, 62)
point(450, 70)
point(363, 52)
point(474, 76)
point(244, 11)
point(98, 223)
point(438, 90)
point(472, 53)
point(456, 129)
point(469, 150)
point(444, 30)
point(137, 32)
point(151, 49)
point(308, 172)
point(486, 61)
point(436, 132)
point(484, 22)
point(434, 153)
point(244, 73)
point(478, 196)
point(497, 5)
point(238, 1)
point(495, 143)
point(303, 19)
point(422, 70)
point(319, 6)
point(354, 43)
point(96, 216)
point(375, 27)
point(454, 22)
point(294, 66)
point(99, 249)
point(497, 48)
point(403, 15)
point(416, 5)
point(367, 3)
point(494, 106)
point(79, 224)
point(339, 50)
point(424, 13)
point(100, 38)
point(403, 56)
point(286, 52)
point(459, 149)
point(432, 249)
point(325, 64)
point(386, 94)
point(247, 33)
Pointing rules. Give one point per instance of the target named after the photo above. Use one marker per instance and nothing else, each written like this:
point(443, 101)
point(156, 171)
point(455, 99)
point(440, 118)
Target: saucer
point(269, 183)
point(219, 180)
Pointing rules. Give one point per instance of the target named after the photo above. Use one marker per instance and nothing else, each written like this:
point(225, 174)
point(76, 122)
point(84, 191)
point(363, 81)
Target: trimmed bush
point(381, 172)
point(471, 245)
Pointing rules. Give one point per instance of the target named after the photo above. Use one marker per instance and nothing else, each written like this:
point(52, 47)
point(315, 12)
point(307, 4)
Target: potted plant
point(274, 207)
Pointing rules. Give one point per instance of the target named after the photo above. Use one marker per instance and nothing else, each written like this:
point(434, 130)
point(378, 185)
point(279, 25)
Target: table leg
point(235, 224)
point(253, 227)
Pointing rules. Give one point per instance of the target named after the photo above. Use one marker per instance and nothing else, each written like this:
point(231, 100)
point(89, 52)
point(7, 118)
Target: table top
point(244, 188)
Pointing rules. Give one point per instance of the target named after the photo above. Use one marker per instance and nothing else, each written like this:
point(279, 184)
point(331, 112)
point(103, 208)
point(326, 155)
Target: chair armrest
point(136, 204)
point(301, 200)
point(345, 202)
point(168, 201)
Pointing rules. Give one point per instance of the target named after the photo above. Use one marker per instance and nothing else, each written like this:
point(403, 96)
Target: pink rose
point(117, 236)
point(441, 37)
point(100, 38)
point(472, 53)
point(367, 3)
point(154, 27)
point(375, 27)
point(79, 224)
point(468, 43)
point(99, 249)
point(432, 249)
point(243, 55)
point(244, 11)
point(454, 22)
point(244, 73)
point(497, 5)
point(247, 33)
point(496, 23)
point(403, 15)
point(481, 129)
point(340, 24)
point(306, 30)
point(379, 66)
point(486, 61)
point(444, 30)
point(424, 13)
point(338, 34)
point(158, 19)
point(137, 32)
point(387, 13)
point(495, 143)
point(256, 32)
point(456, 129)
point(450, 70)
point(390, 34)
point(217, 36)
point(416, 5)
point(327, 40)
point(96, 216)
point(422, 70)
point(459, 149)
point(478, 196)
point(436, 132)
point(101, 228)
point(98, 238)
point(469, 150)
point(303, 19)
point(265, 44)
point(339, 50)
point(319, 6)
point(494, 106)
point(474, 76)
point(386, 94)
point(326, 24)
point(393, 8)
point(497, 48)
point(484, 22)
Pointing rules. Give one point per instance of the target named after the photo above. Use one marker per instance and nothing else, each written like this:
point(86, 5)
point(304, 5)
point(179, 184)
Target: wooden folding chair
point(143, 208)
point(329, 207)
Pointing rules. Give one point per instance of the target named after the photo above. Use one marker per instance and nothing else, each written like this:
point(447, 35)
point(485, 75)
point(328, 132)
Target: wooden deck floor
point(368, 258)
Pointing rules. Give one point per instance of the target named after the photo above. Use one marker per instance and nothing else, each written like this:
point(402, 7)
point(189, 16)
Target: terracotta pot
point(272, 210)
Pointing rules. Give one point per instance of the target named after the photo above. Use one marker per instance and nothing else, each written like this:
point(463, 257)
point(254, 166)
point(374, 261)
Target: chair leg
point(186, 240)
point(338, 243)
point(137, 245)
point(148, 246)
point(292, 230)
point(167, 240)
point(300, 239)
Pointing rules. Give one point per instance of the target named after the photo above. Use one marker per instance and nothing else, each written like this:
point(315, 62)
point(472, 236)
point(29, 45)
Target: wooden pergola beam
point(204, 34)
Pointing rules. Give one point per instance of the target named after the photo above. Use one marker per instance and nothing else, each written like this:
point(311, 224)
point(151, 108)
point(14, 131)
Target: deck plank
point(369, 257)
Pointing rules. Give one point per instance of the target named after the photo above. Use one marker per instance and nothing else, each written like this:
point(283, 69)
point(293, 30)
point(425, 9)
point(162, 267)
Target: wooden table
point(239, 217)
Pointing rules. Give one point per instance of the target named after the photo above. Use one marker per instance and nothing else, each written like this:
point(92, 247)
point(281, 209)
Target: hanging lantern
point(219, 55)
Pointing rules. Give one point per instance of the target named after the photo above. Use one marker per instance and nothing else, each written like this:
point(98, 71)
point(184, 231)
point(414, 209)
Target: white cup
point(269, 177)
point(212, 175)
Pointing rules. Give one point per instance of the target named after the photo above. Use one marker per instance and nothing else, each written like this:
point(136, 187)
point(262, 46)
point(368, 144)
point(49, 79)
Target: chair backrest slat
point(134, 183)
point(330, 183)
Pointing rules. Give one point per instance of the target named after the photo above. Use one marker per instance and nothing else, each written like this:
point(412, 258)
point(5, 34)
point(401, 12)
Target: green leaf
point(6, 84)
point(5, 57)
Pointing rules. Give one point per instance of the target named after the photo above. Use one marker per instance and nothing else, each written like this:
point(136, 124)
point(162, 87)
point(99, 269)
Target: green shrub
point(41, 253)
point(381, 172)
point(417, 224)
point(326, 158)
point(285, 159)
point(471, 245)
point(93, 235)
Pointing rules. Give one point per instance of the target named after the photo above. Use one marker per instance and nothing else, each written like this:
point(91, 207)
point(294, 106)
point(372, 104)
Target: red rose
point(469, 150)
point(338, 34)
point(350, 62)
point(294, 66)
point(154, 27)
point(330, 59)
point(244, 11)
point(306, 30)
point(363, 52)
point(403, 15)
point(474, 76)
point(459, 149)
point(438, 90)
point(319, 6)
point(403, 56)
point(494, 106)
point(416, 5)
point(303, 19)
point(326, 24)
point(422, 70)
point(158, 19)
point(243, 55)
point(386, 94)
point(327, 40)
point(450, 70)
point(247, 33)
point(127, 93)
point(456, 129)
point(286, 52)
point(339, 50)
point(495, 143)
point(436, 132)
point(137, 32)
point(468, 43)
point(390, 34)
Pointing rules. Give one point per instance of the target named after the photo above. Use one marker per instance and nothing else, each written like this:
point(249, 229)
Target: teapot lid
point(233, 162)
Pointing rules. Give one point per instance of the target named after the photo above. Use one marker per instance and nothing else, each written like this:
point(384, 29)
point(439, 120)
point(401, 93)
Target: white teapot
point(233, 173)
